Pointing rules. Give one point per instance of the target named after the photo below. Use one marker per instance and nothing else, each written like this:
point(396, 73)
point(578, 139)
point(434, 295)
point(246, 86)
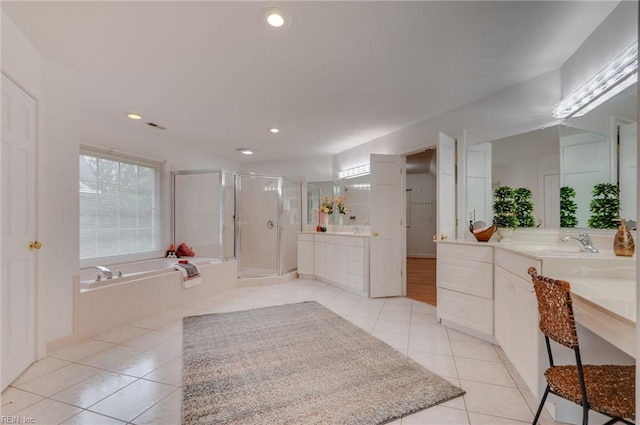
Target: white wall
point(423, 215)
point(314, 169)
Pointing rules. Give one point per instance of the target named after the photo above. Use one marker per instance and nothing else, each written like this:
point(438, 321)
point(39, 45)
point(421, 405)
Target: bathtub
point(146, 288)
point(127, 272)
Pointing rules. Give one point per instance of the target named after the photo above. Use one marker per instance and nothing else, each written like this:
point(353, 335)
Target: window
point(118, 206)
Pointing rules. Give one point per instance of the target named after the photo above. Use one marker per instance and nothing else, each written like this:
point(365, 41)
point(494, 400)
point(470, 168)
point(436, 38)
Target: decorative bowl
point(484, 234)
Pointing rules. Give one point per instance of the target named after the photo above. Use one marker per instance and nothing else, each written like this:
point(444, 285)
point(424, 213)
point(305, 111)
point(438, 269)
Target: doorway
point(421, 226)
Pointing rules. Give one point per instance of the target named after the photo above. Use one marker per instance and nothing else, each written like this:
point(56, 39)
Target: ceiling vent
point(154, 125)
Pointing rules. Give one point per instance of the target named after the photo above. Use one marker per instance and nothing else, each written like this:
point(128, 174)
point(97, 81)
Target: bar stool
point(607, 389)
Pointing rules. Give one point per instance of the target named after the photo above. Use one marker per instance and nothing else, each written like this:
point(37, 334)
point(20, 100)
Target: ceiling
point(341, 74)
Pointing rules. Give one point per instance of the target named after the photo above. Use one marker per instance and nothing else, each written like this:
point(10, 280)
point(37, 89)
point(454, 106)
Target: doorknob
point(270, 224)
point(34, 245)
point(375, 234)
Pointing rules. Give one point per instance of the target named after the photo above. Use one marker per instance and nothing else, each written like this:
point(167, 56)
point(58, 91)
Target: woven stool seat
point(606, 389)
point(611, 389)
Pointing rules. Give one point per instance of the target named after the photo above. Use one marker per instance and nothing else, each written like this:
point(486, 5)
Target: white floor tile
point(480, 419)
point(169, 373)
point(92, 390)
point(496, 400)
point(167, 411)
point(118, 335)
point(82, 350)
point(90, 418)
point(392, 326)
point(483, 371)
point(131, 401)
point(111, 357)
point(154, 322)
point(419, 342)
point(40, 368)
point(14, 399)
point(59, 379)
point(48, 412)
point(475, 350)
point(439, 415)
point(149, 340)
point(439, 363)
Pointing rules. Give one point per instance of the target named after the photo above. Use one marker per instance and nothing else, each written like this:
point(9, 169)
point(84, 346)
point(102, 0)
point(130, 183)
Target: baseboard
point(244, 282)
point(57, 344)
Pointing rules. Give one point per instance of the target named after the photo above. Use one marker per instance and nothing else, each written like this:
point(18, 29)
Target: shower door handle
point(270, 224)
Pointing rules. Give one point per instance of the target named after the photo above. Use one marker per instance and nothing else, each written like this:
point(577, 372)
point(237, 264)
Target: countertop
point(603, 280)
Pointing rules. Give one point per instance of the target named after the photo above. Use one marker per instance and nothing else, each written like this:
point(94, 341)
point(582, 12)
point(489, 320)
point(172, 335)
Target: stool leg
point(544, 398)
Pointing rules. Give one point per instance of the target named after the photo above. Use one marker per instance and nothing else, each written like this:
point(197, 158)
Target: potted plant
point(605, 206)
point(504, 212)
point(568, 207)
point(524, 207)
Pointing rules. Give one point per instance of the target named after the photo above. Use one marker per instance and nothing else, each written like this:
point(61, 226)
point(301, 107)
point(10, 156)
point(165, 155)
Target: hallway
point(421, 279)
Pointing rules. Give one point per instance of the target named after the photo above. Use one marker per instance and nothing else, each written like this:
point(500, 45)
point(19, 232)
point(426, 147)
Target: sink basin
point(555, 251)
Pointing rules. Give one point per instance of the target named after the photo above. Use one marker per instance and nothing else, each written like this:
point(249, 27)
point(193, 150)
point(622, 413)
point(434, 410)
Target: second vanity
point(341, 259)
point(484, 290)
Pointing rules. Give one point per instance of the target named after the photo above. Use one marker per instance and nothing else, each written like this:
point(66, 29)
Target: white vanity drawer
point(517, 264)
point(321, 238)
point(469, 277)
point(305, 236)
point(466, 252)
point(356, 241)
point(467, 310)
point(356, 254)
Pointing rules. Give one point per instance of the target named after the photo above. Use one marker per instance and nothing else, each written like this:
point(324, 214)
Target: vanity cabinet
point(516, 315)
point(305, 254)
point(465, 286)
point(338, 259)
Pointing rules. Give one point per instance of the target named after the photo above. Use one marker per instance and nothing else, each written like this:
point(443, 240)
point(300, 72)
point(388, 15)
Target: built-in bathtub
point(91, 277)
point(145, 288)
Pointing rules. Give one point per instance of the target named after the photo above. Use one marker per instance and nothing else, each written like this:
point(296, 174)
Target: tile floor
point(133, 374)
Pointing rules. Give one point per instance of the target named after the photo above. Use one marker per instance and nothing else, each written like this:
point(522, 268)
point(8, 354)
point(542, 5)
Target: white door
point(551, 200)
point(479, 183)
point(628, 171)
point(584, 162)
point(18, 231)
point(446, 187)
point(386, 225)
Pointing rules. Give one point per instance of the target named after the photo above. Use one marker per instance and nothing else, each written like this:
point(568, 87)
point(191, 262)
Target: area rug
point(298, 364)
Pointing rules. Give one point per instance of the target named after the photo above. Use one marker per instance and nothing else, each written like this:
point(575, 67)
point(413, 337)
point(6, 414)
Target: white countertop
point(603, 280)
point(361, 235)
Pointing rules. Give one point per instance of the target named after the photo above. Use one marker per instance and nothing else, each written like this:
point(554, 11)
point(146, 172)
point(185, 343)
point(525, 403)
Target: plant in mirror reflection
point(568, 207)
point(605, 206)
point(524, 207)
point(504, 208)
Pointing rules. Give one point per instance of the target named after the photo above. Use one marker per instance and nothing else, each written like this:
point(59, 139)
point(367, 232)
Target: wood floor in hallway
point(421, 279)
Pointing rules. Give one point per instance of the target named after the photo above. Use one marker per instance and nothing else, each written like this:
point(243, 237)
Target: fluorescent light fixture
point(274, 130)
point(134, 116)
point(350, 173)
point(246, 151)
point(618, 74)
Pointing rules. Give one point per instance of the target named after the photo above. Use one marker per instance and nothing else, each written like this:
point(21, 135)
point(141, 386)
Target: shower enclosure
point(269, 219)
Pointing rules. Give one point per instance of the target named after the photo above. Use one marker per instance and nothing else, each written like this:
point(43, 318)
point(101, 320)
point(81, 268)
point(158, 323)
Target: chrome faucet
point(105, 271)
point(585, 242)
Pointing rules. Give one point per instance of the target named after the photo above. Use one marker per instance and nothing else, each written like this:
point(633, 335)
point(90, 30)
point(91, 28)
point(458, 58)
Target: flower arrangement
point(327, 205)
point(339, 202)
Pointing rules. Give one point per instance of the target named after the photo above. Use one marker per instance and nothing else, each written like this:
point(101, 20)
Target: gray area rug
point(298, 364)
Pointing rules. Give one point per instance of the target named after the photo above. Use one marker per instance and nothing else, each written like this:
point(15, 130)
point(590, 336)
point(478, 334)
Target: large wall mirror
point(356, 190)
point(599, 147)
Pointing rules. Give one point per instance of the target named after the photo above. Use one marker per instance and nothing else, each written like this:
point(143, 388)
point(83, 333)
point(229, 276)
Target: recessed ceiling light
point(135, 116)
point(274, 130)
point(276, 18)
point(247, 151)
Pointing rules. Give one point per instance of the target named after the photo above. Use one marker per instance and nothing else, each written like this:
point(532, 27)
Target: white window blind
point(118, 206)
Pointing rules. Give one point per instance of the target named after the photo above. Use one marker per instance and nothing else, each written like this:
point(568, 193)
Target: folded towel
point(190, 274)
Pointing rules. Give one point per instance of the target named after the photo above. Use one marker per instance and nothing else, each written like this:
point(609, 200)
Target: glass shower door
point(258, 226)
point(290, 220)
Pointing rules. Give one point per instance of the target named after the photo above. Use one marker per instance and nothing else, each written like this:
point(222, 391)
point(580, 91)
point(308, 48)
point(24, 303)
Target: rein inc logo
point(17, 420)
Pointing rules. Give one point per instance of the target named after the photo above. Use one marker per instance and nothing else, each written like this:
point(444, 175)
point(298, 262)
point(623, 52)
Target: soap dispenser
point(623, 244)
